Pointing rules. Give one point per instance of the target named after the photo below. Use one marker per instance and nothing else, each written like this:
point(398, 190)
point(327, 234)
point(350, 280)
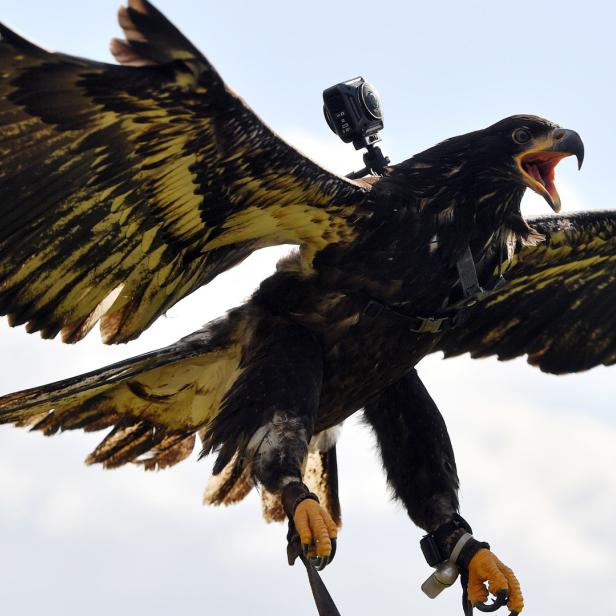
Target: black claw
point(331, 556)
point(305, 548)
point(319, 562)
point(499, 601)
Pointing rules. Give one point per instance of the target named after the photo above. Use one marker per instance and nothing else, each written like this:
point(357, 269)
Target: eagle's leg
point(420, 466)
point(279, 390)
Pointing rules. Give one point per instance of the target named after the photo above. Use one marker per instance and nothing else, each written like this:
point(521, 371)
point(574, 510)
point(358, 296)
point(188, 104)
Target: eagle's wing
point(124, 188)
point(557, 304)
point(155, 403)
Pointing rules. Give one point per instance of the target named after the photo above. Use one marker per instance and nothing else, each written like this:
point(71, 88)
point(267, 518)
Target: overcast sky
point(536, 453)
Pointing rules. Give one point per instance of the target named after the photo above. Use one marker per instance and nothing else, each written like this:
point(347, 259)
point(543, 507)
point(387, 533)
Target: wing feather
point(557, 304)
point(154, 403)
point(150, 178)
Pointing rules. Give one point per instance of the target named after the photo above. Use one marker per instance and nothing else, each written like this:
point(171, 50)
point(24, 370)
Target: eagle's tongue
point(533, 171)
point(543, 172)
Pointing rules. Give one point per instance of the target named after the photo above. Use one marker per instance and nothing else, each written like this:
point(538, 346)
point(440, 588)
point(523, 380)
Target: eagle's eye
point(521, 135)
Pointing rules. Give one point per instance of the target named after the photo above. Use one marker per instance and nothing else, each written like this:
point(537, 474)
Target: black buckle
point(418, 325)
point(431, 551)
point(430, 325)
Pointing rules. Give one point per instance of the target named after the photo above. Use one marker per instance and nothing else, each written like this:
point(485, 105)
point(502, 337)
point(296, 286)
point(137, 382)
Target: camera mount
point(353, 110)
point(375, 162)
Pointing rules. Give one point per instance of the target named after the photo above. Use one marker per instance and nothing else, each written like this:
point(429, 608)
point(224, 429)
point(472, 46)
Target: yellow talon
point(315, 527)
point(486, 567)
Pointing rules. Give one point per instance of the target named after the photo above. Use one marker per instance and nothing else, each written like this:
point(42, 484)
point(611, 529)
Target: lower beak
point(537, 164)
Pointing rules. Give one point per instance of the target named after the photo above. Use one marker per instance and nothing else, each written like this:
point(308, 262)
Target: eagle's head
point(523, 150)
point(473, 184)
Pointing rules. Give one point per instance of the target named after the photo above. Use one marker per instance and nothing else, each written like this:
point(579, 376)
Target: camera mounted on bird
point(354, 111)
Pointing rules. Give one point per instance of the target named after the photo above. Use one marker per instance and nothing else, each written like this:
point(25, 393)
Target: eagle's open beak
point(538, 162)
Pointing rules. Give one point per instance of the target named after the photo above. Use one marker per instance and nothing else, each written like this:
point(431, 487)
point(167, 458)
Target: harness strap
point(292, 495)
point(468, 274)
point(469, 281)
point(419, 325)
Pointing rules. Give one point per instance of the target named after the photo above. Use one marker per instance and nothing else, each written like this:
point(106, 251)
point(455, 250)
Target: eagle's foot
point(502, 583)
point(317, 532)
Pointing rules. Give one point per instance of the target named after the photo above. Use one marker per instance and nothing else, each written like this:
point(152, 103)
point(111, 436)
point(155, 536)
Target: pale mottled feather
point(556, 303)
point(154, 403)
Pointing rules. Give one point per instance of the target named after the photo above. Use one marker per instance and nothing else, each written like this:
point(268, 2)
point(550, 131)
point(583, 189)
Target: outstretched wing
point(557, 305)
point(124, 188)
point(154, 403)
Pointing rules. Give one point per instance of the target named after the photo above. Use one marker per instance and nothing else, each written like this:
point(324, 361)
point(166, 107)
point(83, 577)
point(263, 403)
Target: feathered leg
point(416, 451)
point(420, 465)
point(267, 420)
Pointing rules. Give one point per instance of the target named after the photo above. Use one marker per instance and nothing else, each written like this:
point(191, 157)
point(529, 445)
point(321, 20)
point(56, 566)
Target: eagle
point(126, 187)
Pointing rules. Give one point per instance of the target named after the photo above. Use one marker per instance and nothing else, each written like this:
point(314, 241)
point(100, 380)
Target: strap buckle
point(430, 325)
point(418, 325)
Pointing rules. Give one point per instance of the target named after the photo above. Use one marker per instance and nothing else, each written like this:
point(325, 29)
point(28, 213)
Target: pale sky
point(536, 453)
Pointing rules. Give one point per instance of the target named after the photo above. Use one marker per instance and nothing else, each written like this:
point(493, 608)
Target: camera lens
point(372, 101)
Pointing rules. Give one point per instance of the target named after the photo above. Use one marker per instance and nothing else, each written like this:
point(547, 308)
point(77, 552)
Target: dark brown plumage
point(127, 187)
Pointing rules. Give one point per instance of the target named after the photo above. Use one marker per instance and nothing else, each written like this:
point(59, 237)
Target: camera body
point(353, 110)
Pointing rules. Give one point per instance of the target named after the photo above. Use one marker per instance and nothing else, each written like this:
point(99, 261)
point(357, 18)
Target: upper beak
point(569, 143)
point(538, 162)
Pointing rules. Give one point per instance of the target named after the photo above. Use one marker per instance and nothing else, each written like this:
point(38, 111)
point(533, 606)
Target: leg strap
point(292, 495)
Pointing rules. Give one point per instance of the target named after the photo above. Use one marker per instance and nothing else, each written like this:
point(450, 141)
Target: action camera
point(353, 110)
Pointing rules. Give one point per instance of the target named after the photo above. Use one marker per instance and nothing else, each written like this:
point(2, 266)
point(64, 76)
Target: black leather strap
point(418, 325)
point(322, 599)
point(471, 289)
point(471, 547)
point(292, 495)
point(437, 546)
point(467, 606)
point(468, 274)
